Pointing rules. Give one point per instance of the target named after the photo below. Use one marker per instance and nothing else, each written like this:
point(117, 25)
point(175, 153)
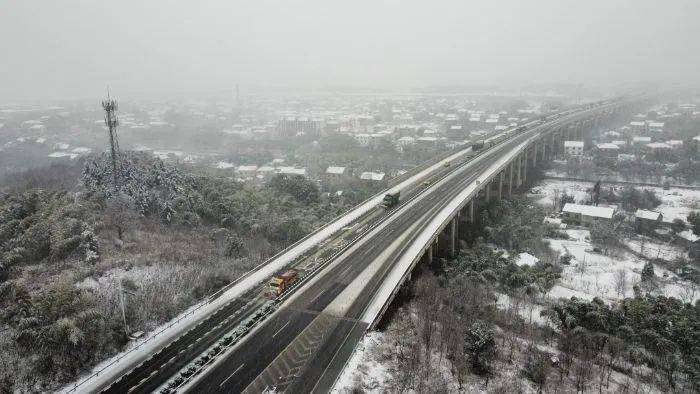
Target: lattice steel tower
point(110, 106)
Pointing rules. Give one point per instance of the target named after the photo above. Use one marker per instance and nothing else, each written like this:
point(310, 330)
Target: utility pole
point(110, 106)
point(121, 302)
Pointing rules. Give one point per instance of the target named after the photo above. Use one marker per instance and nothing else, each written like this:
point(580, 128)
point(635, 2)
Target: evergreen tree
point(648, 272)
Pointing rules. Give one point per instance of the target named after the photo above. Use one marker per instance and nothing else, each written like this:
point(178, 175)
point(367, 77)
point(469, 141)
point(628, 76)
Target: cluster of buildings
point(331, 174)
point(645, 133)
point(587, 215)
point(401, 126)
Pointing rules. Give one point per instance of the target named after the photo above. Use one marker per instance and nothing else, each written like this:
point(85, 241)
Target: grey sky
point(72, 49)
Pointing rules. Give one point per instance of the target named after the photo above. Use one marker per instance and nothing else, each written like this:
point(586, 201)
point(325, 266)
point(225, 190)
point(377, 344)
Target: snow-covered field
point(547, 189)
point(593, 274)
point(611, 278)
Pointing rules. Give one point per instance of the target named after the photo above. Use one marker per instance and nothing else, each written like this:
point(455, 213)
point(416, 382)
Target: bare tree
point(119, 211)
point(621, 282)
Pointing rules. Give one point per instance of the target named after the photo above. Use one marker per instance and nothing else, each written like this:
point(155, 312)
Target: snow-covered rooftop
point(573, 144)
point(224, 165)
point(292, 171)
point(372, 176)
point(335, 170)
point(590, 210)
point(648, 215)
point(658, 145)
point(607, 146)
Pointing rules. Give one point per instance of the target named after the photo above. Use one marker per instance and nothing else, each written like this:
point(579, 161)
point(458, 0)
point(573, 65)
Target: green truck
point(391, 200)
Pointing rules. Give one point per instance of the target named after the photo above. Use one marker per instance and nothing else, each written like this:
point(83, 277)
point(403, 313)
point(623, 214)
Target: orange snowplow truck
point(281, 282)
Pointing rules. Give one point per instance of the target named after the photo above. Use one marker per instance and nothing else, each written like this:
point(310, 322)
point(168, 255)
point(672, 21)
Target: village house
point(573, 148)
point(585, 215)
point(645, 220)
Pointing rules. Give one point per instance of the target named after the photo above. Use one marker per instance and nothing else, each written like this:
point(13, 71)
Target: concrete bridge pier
point(524, 178)
point(510, 178)
point(454, 230)
point(501, 175)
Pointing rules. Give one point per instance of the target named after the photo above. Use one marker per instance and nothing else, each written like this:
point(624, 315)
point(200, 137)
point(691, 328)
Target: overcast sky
point(73, 49)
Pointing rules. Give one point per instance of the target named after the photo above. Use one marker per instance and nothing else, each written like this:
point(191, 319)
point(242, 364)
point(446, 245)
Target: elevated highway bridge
point(351, 271)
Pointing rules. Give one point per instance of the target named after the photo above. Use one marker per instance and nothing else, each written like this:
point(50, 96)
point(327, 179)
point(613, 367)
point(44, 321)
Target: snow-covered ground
point(653, 249)
point(611, 278)
point(548, 188)
point(364, 368)
point(529, 311)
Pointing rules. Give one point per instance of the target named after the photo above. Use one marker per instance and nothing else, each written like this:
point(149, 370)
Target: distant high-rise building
point(291, 126)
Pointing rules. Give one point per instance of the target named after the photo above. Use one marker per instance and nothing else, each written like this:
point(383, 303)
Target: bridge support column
point(429, 254)
point(534, 156)
point(500, 184)
point(544, 149)
point(471, 210)
point(510, 178)
point(453, 236)
point(487, 190)
point(518, 178)
point(524, 170)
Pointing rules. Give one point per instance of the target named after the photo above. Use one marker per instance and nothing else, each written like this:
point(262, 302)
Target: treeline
point(652, 336)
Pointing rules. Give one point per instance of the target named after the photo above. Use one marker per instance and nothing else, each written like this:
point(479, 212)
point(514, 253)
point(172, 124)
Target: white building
point(658, 146)
point(656, 126)
point(638, 126)
point(404, 141)
point(573, 148)
point(291, 171)
point(332, 170)
point(362, 139)
point(608, 147)
point(641, 140)
point(625, 157)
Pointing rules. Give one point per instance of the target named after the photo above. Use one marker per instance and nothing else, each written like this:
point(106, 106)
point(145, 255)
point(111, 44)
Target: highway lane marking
point(318, 295)
point(280, 330)
point(342, 274)
point(230, 376)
